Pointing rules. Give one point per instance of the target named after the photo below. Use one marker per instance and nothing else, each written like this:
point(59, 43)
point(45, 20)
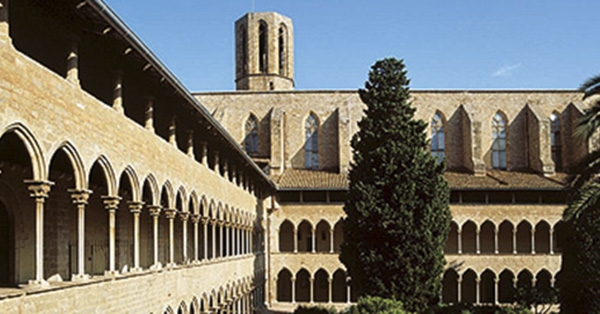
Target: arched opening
point(124, 224)
point(96, 220)
point(146, 227)
point(542, 238)
point(468, 237)
point(543, 282)
point(438, 139)
point(263, 47)
point(284, 286)
point(202, 236)
point(505, 237)
point(303, 286)
point(487, 287)
point(338, 236)
point(499, 141)
point(556, 141)
point(524, 281)
point(449, 287)
point(243, 51)
point(506, 288)
point(178, 226)
point(60, 220)
point(323, 237)
point(191, 235)
point(321, 286)
point(452, 242)
point(524, 238)
point(181, 309)
point(282, 49)
point(16, 266)
point(468, 287)
point(559, 236)
point(211, 230)
point(487, 237)
point(339, 291)
point(251, 135)
point(304, 237)
point(286, 237)
point(163, 227)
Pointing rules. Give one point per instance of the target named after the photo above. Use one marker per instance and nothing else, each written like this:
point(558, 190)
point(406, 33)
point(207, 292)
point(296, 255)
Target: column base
point(136, 270)
point(38, 283)
point(156, 266)
point(111, 272)
point(80, 277)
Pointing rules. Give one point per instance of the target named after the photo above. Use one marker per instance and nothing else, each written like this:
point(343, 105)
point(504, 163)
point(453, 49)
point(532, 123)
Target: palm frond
point(585, 170)
point(589, 122)
point(590, 82)
point(585, 198)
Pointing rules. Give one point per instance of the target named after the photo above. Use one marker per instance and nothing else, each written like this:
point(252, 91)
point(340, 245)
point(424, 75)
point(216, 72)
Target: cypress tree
point(397, 206)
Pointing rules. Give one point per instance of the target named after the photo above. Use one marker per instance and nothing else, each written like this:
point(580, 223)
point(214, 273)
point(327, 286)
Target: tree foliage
point(579, 290)
point(397, 206)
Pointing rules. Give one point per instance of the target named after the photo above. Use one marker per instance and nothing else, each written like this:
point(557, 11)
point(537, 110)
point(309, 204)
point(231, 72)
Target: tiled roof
point(494, 179)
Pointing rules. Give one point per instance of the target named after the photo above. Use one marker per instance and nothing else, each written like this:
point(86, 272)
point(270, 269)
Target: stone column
point(330, 290)
point(184, 218)
point(551, 240)
point(38, 190)
point(195, 220)
point(111, 203)
point(514, 241)
point(250, 240)
point(233, 175)
point(459, 239)
point(136, 208)
point(204, 221)
point(217, 168)
point(73, 63)
point(221, 223)
point(331, 242)
point(496, 291)
point(477, 241)
point(477, 288)
point(204, 149)
point(173, 131)
point(295, 240)
point(348, 291)
point(532, 240)
point(118, 92)
point(155, 212)
point(226, 227)
point(459, 289)
point(495, 240)
point(190, 144)
point(214, 238)
point(225, 169)
point(312, 240)
point(293, 289)
point(149, 114)
point(80, 199)
point(171, 213)
point(4, 25)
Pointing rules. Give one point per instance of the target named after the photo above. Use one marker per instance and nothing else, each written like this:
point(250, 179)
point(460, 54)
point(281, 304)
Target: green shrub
point(302, 309)
point(377, 305)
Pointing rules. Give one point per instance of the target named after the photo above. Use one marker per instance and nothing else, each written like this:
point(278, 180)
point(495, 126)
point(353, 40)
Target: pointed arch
point(78, 170)
point(263, 47)
point(38, 162)
point(109, 174)
point(506, 289)
point(204, 206)
point(323, 231)
point(181, 200)
point(438, 136)
point(193, 204)
point(167, 197)
point(133, 181)
point(151, 186)
point(282, 49)
point(499, 137)
point(556, 140)
point(450, 286)
point(251, 135)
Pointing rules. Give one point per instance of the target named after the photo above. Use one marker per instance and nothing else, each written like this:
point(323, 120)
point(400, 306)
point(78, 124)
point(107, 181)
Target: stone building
point(122, 192)
point(507, 154)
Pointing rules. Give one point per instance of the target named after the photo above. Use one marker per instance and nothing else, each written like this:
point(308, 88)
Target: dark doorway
point(5, 248)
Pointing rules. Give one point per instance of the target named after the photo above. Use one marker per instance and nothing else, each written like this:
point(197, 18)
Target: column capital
point(80, 197)
point(170, 213)
point(135, 207)
point(154, 210)
point(39, 189)
point(204, 220)
point(195, 218)
point(184, 216)
point(221, 223)
point(111, 202)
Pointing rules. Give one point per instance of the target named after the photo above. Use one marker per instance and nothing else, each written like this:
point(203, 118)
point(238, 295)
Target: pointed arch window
point(438, 138)
point(498, 142)
point(263, 48)
point(251, 138)
point(243, 50)
point(282, 50)
point(311, 145)
point(555, 141)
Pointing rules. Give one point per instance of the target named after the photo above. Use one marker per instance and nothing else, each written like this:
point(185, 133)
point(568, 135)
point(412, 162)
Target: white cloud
point(506, 70)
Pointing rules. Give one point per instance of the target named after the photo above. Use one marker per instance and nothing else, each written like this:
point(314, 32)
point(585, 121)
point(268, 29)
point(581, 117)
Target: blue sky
point(460, 44)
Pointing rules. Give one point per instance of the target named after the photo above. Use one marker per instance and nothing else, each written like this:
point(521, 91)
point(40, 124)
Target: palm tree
point(580, 272)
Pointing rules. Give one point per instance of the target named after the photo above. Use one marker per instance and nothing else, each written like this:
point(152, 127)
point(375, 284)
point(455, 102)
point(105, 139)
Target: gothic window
point(438, 137)
point(498, 142)
point(282, 50)
point(243, 51)
point(251, 139)
point(263, 48)
point(555, 143)
point(311, 146)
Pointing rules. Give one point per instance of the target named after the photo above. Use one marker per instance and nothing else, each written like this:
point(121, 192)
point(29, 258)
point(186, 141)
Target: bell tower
point(264, 52)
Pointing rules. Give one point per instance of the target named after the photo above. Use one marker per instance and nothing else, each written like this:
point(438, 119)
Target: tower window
point(282, 50)
point(263, 48)
point(438, 138)
point(498, 142)
point(311, 146)
point(251, 139)
point(243, 52)
point(555, 142)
